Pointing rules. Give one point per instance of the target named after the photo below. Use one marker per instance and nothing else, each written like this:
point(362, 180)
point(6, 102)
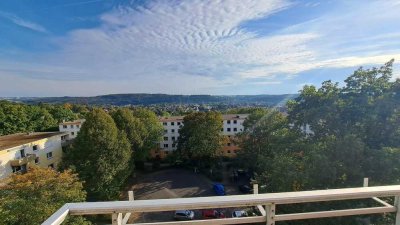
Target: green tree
point(272, 150)
point(101, 155)
point(134, 129)
point(152, 132)
point(201, 135)
point(33, 197)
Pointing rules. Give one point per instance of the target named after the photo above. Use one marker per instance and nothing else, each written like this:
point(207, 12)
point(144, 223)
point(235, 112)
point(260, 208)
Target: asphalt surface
point(174, 183)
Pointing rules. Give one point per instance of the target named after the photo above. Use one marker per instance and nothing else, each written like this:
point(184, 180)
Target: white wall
point(51, 144)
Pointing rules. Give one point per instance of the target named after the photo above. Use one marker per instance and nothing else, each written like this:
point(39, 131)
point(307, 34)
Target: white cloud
point(23, 23)
point(201, 46)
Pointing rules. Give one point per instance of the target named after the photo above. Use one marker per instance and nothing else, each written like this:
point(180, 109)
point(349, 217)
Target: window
point(229, 144)
point(173, 145)
point(165, 138)
point(172, 130)
point(22, 153)
point(165, 145)
point(173, 138)
point(229, 151)
point(222, 129)
point(77, 126)
point(35, 148)
point(49, 155)
point(228, 129)
point(235, 121)
point(235, 129)
point(164, 123)
point(16, 169)
point(172, 123)
point(37, 160)
point(179, 123)
point(72, 133)
point(72, 126)
point(51, 166)
point(228, 122)
point(165, 131)
point(65, 126)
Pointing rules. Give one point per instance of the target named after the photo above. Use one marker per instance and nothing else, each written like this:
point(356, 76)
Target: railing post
point(271, 214)
point(365, 182)
point(117, 219)
point(127, 215)
point(397, 205)
point(255, 189)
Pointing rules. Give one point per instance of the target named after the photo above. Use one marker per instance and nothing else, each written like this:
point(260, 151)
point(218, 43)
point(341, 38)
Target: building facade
point(71, 127)
point(20, 151)
point(232, 125)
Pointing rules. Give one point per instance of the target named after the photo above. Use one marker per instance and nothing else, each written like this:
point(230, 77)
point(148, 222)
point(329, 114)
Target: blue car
point(219, 189)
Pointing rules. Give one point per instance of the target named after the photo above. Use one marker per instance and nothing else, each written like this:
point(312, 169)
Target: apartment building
point(71, 127)
point(232, 124)
point(20, 151)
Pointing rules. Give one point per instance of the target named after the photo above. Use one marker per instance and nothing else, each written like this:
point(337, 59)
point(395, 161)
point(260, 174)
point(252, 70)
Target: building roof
point(14, 140)
point(225, 117)
point(234, 116)
point(171, 118)
point(72, 122)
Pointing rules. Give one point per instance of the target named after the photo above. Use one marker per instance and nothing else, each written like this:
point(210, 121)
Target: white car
point(184, 215)
point(239, 213)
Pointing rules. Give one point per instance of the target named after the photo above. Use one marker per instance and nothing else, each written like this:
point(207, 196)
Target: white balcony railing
point(266, 203)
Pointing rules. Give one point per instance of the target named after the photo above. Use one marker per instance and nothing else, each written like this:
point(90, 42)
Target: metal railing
point(266, 203)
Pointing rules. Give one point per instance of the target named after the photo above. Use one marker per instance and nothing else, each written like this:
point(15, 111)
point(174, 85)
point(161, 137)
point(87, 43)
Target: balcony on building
point(28, 158)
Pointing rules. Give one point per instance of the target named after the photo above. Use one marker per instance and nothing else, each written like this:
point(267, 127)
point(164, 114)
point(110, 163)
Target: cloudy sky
point(93, 47)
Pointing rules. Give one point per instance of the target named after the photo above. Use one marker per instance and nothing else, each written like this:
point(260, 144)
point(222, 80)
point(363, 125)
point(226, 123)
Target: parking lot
point(174, 183)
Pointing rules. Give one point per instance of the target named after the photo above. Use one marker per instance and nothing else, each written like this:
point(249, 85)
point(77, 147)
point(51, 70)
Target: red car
point(212, 214)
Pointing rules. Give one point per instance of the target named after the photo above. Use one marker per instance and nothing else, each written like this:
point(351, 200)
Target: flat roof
point(72, 122)
point(14, 140)
point(224, 117)
point(234, 116)
point(171, 118)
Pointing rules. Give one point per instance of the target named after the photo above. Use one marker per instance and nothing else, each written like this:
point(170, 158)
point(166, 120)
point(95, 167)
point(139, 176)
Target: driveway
point(173, 183)
point(170, 183)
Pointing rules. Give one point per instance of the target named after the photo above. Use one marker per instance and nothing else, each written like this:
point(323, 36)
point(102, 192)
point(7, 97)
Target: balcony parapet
point(23, 161)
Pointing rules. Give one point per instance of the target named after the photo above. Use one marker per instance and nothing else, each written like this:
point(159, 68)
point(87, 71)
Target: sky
point(218, 47)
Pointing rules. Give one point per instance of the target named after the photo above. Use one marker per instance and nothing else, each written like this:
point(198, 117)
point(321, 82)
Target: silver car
point(241, 213)
point(184, 215)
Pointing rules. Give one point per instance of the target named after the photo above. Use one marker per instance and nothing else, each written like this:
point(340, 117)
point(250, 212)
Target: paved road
point(173, 183)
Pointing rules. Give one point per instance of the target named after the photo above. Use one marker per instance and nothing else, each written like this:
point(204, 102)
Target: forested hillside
point(149, 99)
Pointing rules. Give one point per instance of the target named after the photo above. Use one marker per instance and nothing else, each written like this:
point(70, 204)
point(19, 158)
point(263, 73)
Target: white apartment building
point(71, 127)
point(232, 124)
point(20, 151)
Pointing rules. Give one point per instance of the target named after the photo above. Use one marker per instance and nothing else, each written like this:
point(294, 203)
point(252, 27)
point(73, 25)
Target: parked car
point(239, 213)
point(245, 189)
point(219, 189)
point(184, 215)
point(212, 214)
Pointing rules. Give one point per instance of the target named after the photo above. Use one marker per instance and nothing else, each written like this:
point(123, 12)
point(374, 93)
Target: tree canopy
point(201, 135)
point(32, 197)
point(101, 154)
point(16, 117)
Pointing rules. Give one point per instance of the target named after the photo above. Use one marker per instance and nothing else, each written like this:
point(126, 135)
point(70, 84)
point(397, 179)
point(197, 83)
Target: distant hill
point(150, 99)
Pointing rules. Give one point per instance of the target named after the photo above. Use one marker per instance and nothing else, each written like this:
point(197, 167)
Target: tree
point(33, 197)
point(152, 132)
point(101, 155)
point(201, 136)
point(272, 150)
point(134, 128)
